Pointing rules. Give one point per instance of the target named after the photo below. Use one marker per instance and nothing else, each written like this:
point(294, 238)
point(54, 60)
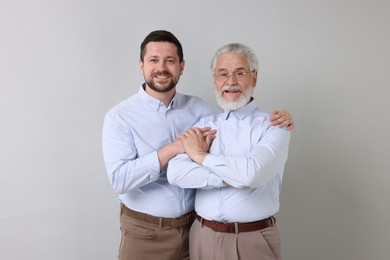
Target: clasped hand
point(197, 141)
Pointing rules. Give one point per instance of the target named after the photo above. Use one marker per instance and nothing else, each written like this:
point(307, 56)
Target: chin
point(232, 105)
point(229, 104)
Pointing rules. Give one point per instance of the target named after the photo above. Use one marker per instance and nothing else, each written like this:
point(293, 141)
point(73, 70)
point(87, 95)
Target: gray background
point(63, 64)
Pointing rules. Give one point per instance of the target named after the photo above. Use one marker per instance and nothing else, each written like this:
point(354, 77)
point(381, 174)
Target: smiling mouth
point(162, 75)
point(231, 91)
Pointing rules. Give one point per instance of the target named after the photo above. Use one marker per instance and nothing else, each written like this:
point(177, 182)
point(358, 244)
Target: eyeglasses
point(223, 76)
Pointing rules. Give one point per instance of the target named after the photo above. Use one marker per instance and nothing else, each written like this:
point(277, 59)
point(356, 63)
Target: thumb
point(209, 139)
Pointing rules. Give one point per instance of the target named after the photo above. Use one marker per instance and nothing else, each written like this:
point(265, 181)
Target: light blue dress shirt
point(249, 154)
point(133, 131)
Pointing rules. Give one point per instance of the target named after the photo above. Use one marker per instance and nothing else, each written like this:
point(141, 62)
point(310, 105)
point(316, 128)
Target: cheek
point(218, 87)
point(146, 69)
point(217, 91)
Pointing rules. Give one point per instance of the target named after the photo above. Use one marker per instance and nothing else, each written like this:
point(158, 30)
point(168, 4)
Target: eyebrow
point(236, 69)
point(158, 56)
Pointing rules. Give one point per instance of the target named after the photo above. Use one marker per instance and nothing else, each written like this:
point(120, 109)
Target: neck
point(164, 97)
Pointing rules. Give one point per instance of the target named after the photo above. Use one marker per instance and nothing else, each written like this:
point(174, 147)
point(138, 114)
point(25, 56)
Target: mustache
point(229, 88)
point(162, 73)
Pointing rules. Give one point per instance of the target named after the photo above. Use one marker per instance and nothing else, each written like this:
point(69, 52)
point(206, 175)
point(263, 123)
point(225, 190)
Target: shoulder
point(263, 119)
point(123, 107)
point(196, 103)
point(261, 114)
point(191, 98)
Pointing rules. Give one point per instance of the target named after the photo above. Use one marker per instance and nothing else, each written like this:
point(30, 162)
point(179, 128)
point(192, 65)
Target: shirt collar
point(242, 112)
point(154, 103)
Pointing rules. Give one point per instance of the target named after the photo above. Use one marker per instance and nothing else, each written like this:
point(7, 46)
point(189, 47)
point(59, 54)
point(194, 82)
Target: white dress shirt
point(249, 154)
point(133, 131)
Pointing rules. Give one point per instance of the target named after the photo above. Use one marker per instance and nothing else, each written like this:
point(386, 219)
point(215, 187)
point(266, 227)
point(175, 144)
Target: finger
point(284, 123)
point(290, 126)
point(210, 132)
point(281, 124)
point(208, 140)
point(278, 120)
point(205, 129)
point(275, 116)
point(197, 131)
point(190, 132)
point(280, 113)
point(181, 135)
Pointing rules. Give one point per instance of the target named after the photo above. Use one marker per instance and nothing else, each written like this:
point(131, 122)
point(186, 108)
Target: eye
point(153, 60)
point(239, 74)
point(223, 74)
point(170, 61)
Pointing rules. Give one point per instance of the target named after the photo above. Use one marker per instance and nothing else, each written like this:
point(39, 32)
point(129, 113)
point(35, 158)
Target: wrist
point(199, 157)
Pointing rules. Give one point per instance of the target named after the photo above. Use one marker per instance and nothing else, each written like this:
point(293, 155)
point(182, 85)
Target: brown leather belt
point(161, 222)
point(237, 227)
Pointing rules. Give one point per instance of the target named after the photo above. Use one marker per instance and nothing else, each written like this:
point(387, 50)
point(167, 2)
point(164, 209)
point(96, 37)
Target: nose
point(231, 81)
point(162, 65)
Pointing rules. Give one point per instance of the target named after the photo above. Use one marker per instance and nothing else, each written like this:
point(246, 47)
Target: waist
point(236, 227)
point(159, 199)
point(184, 220)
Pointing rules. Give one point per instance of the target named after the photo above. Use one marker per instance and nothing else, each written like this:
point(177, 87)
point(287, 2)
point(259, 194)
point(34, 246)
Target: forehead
point(161, 49)
point(231, 61)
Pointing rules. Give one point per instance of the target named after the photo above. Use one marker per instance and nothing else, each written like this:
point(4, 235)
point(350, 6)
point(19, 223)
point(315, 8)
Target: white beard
point(233, 105)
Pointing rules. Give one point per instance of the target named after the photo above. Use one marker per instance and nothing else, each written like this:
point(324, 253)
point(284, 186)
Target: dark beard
point(152, 86)
point(169, 87)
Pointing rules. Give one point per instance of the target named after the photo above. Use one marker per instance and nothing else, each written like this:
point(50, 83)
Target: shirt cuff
point(153, 163)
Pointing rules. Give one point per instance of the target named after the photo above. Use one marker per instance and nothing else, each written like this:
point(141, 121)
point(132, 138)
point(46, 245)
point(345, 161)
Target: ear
point(254, 80)
point(182, 67)
point(141, 66)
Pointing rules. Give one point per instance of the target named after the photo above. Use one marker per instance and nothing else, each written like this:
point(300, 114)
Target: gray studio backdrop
point(63, 64)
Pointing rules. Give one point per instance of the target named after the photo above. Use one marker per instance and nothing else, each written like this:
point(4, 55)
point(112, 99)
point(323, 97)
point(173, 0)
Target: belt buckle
point(231, 227)
point(235, 227)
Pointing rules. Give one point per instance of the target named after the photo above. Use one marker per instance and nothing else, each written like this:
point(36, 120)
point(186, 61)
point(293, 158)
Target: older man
point(238, 178)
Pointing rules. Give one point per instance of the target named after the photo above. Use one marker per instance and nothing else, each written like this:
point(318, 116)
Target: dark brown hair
point(161, 36)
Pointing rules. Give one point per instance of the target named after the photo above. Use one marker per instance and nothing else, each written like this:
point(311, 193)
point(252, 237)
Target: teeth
point(161, 76)
point(231, 89)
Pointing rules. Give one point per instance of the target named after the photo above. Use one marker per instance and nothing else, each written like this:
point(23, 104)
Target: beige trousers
point(206, 244)
point(145, 241)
